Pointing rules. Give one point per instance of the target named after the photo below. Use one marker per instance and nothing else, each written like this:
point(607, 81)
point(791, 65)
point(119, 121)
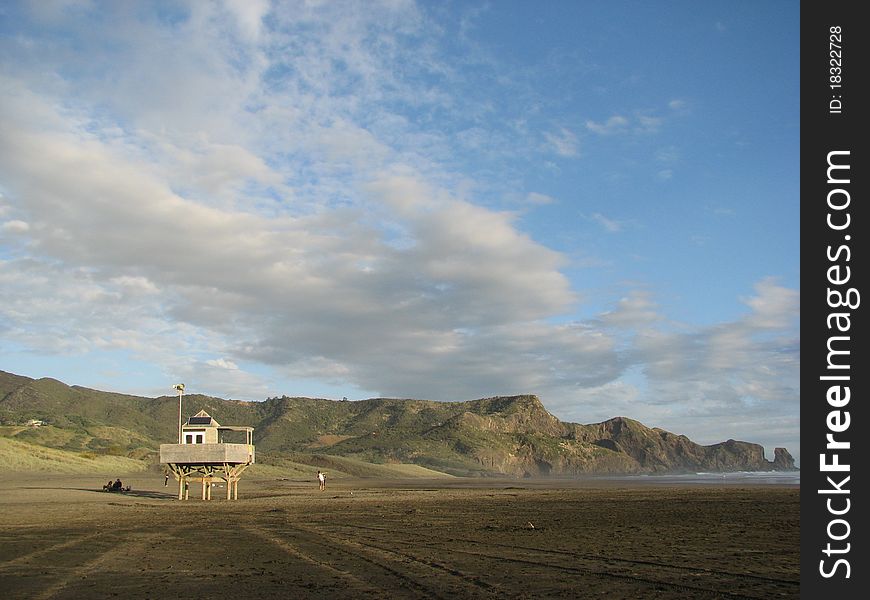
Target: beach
point(62, 537)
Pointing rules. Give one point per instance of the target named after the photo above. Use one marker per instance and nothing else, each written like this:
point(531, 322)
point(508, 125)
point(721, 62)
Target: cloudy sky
point(595, 202)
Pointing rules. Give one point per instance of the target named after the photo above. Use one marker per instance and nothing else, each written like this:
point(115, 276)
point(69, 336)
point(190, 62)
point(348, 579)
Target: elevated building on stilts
point(205, 456)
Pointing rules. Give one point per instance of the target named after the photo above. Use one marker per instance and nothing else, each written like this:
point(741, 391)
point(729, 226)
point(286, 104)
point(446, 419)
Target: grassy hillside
point(512, 435)
point(22, 456)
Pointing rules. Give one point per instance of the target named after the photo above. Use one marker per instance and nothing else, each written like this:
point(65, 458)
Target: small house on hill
point(205, 454)
point(202, 428)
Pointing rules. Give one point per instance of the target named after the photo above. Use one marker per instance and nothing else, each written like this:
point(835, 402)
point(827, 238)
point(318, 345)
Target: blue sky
point(596, 202)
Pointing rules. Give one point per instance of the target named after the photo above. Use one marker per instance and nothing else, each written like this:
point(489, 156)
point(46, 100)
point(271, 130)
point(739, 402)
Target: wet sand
point(60, 537)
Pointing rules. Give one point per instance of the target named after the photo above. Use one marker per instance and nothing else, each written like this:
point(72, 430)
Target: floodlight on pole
point(180, 388)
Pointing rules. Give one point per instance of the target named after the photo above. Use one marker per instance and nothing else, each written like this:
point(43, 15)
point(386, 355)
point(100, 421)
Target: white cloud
point(15, 226)
point(667, 155)
point(345, 142)
point(248, 16)
point(221, 173)
point(613, 125)
point(283, 289)
point(609, 225)
point(648, 124)
point(222, 363)
point(735, 375)
point(774, 306)
point(563, 142)
point(641, 123)
point(135, 285)
point(539, 199)
point(53, 11)
point(636, 311)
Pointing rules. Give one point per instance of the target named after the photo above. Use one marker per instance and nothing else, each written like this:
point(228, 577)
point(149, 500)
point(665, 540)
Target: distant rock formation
point(782, 460)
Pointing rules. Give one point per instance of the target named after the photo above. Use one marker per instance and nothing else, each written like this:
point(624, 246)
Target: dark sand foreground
point(62, 538)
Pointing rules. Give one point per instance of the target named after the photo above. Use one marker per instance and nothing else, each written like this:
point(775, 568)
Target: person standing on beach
point(321, 477)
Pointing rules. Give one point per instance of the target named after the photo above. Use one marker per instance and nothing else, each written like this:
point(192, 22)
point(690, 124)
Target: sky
point(594, 202)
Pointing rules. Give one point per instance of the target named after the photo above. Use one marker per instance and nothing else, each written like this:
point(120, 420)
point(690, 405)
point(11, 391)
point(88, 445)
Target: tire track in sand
point(465, 585)
point(352, 580)
point(434, 538)
point(387, 573)
point(36, 554)
point(598, 570)
point(120, 551)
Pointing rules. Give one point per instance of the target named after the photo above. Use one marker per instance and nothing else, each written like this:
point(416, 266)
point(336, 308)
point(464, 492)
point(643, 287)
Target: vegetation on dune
point(22, 456)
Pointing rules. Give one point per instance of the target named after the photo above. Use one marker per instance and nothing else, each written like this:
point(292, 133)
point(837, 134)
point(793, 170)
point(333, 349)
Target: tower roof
point(203, 419)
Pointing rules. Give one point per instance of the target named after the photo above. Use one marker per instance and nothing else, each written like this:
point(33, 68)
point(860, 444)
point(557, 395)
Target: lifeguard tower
point(203, 455)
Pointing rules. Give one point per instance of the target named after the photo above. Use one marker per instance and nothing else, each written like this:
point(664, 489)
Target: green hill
point(512, 435)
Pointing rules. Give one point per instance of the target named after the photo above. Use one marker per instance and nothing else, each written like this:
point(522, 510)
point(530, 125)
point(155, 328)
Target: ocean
point(737, 477)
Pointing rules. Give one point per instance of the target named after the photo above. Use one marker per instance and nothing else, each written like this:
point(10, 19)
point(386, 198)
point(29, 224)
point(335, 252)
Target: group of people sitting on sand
point(116, 486)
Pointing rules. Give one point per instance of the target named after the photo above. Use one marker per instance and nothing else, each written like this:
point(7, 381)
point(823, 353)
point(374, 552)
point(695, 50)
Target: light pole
point(180, 388)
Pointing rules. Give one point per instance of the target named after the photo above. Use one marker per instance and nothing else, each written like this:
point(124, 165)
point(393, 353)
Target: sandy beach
point(61, 537)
